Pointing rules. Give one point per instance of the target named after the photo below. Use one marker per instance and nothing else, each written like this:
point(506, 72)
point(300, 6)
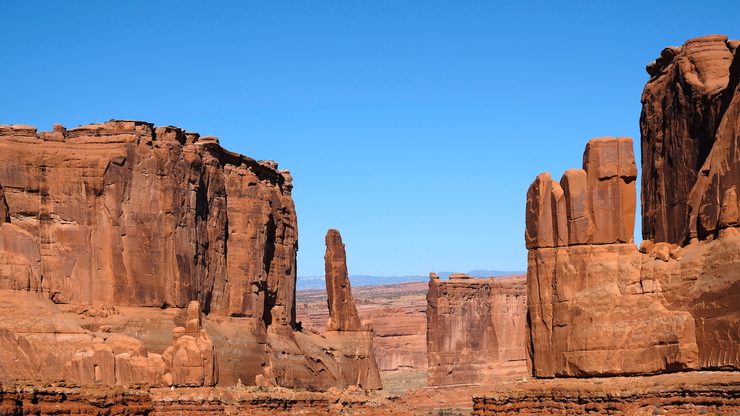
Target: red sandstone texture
point(397, 314)
point(476, 330)
point(344, 331)
point(60, 399)
point(130, 253)
point(342, 309)
point(692, 393)
point(597, 305)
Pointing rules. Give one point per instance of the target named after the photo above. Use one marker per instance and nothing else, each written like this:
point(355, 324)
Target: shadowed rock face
point(597, 305)
point(683, 106)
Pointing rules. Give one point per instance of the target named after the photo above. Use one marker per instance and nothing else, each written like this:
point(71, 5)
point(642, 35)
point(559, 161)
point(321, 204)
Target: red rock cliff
point(126, 214)
point(169, 261)
point(597, 305)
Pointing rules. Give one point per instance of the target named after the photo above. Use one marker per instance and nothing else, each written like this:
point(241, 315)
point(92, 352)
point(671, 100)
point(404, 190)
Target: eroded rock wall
point(127, 214)
point(590, 311)
point(172, 258)
point(600, 306)
point(475, 330)
point(683, 105)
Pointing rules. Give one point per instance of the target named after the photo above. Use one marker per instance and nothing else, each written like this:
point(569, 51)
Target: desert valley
point(149, 271)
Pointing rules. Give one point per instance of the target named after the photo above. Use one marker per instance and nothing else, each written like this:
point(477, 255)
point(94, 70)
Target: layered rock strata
point(344, 331)
point(475, 330)
point(696, 393)
point(58, 398)
point(124, 226)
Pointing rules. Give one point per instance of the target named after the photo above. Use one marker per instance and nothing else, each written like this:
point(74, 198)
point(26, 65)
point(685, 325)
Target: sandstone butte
point(600, 307)
point(476, 330)
point(135, 254)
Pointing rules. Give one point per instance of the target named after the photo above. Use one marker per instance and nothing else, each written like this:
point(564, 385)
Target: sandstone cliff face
point(126, 214)
point(684, 104)
point(135, 232)
point(601, 307)
point(475, 330)
point(591, 312)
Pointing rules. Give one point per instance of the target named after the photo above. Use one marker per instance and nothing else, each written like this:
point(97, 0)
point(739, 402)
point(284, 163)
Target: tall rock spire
point(342, 310)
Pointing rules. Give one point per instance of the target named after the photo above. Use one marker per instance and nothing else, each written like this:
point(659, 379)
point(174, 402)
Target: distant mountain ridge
point(317, 282)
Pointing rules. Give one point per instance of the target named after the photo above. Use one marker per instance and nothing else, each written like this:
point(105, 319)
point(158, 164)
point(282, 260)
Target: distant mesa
point(317, 282)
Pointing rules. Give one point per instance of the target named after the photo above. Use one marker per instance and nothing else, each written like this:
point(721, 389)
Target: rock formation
point(344, 331)
point(127, 214)
point(692, 393)
point(590, 311)
point(683, 105)
point(597, 305)
point(342, 309)
point(475, 330)
point(133, 232)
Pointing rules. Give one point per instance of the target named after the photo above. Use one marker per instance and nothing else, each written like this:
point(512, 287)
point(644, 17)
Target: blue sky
point(413, 127)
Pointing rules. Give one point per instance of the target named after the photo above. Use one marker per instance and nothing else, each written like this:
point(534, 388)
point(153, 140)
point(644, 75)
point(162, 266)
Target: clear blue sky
point(413, 127)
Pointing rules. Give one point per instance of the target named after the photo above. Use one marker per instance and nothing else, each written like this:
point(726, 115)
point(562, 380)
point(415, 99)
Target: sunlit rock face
point(475, 330)
point(598, 305)
point(138, 254)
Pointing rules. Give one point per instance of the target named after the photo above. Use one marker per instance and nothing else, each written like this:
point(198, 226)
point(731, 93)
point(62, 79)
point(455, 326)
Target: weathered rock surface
point(609, 309)
point(694, 393)
point(684, 104)
point(593, 205)
point(124, 226)
point(127, 214)
point(59, 398)
point(475, 330)
point(344, 331)
point(342, 309)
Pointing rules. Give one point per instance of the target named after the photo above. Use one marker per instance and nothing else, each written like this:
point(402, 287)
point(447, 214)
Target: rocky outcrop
point(697, 393)
point(601, 307)
point(342, 309)
point(120, 359)
point(475, 330)
point(590, 310)
point(344, 331)
point(593, 205)
point(123, 226)
point(684, 104)
point(61, 398)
